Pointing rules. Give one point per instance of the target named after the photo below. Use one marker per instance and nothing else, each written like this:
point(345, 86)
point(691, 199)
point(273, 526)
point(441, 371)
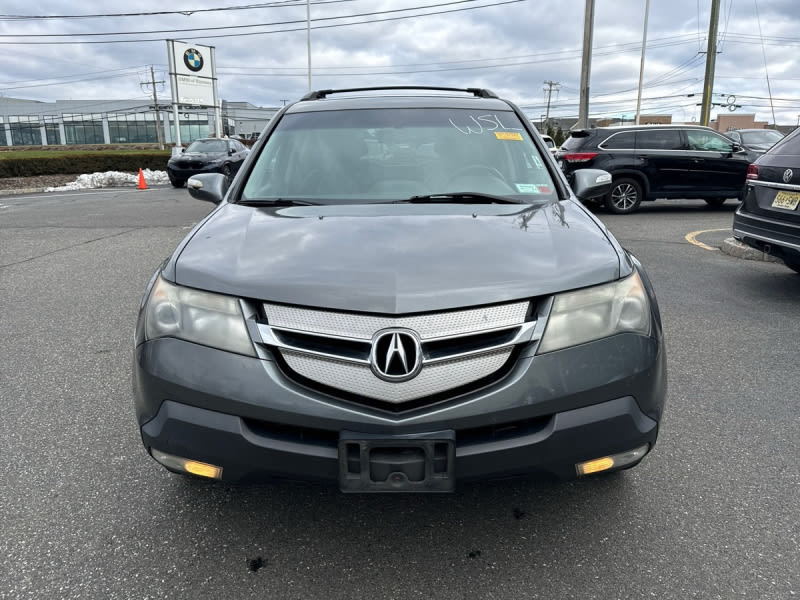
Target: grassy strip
point(32, 154)
point(29, 163)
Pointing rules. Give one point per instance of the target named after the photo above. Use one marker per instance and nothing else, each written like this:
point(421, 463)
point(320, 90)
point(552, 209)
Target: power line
point(186, 13)
point(237, 27)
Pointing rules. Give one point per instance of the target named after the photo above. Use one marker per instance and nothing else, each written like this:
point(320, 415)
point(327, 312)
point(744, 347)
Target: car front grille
point(332, 350)
point(190, 164)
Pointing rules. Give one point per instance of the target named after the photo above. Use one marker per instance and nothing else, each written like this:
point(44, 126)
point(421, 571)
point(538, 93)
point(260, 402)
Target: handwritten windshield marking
point(482, 124)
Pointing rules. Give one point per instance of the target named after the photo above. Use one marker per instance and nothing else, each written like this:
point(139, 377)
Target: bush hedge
point(77, 163)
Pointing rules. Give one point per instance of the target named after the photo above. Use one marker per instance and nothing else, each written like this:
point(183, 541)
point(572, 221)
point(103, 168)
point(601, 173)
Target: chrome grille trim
point(433, 379)
point(428, 326)
point(523, 334)
point(333, 348)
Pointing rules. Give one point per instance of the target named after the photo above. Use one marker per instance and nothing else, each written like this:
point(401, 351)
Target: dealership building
point(63, 122)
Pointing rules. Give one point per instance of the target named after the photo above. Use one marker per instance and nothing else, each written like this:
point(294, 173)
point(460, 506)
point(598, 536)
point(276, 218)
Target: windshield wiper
point(459, 197)
point(277, 202)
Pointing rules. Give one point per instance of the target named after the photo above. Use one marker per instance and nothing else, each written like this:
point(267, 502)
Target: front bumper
point(549, 413)
point(182, 172)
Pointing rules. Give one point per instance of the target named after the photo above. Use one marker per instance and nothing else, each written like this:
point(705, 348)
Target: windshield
point(379, 155)
point(768, 136)
point(208, 146)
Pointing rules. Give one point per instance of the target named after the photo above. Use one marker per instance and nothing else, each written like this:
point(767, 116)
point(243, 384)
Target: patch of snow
point(112, 179)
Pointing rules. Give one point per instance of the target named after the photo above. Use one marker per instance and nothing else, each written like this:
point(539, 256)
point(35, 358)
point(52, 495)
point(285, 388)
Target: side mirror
point(591, 183)
point(210, 187)
point(738, 148)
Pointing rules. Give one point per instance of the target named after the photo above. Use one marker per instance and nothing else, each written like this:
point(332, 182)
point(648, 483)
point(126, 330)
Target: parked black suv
point(658, 161)
point(769, 217)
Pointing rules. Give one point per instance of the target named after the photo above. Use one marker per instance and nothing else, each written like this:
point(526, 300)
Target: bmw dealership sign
point(192, 73)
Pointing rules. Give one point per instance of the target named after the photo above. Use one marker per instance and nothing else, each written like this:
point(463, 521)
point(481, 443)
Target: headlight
point(597, 312)
point(202, 317)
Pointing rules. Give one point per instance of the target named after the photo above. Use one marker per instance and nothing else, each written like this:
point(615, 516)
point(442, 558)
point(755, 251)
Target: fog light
point(185, 465)
point(611, 462)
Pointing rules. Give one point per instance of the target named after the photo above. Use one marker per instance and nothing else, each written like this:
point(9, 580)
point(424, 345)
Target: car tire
point(227, 171)
point(624, 197)
point(715, 202)
point(175, 181)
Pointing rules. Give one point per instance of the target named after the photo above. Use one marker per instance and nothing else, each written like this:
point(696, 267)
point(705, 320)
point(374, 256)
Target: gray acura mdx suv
point(399, 291)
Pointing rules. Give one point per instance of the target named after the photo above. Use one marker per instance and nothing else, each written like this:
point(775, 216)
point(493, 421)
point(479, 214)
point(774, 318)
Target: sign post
point(193, 79)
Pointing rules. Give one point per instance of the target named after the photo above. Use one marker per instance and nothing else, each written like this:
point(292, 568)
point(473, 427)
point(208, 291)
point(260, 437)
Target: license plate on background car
point(787, 200)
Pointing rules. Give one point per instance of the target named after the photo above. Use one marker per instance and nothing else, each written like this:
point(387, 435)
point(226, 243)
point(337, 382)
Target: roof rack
point(321, 94)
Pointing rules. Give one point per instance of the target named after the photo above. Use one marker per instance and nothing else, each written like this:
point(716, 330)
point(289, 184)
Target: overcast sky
point(509, 46)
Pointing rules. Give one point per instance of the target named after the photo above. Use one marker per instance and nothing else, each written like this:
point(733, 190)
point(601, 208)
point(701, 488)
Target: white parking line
point(91, 193)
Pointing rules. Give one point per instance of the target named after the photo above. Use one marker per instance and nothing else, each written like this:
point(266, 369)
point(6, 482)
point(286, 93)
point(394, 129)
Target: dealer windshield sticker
point(508, 135)
point(532, 188)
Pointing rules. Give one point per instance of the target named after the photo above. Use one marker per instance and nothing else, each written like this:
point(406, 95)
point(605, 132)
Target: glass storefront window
point(83, 128)
point(25, 131)
point(193, 126)
point(52, 133)
point(132, 128)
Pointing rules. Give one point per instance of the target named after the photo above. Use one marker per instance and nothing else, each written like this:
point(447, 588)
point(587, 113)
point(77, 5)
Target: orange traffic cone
point(142, 184)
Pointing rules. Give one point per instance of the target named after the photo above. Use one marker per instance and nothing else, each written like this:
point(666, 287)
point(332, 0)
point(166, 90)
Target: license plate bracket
point(786, 200)
point(421, 462)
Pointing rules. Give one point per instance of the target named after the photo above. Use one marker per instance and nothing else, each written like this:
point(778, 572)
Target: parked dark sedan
point(769, 217)
point(399, 291)
point(207, 155)
point(755, 141)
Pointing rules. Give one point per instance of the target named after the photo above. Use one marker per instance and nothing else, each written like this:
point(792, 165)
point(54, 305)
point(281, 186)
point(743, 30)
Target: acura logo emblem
point(787, 175)
point(396, 354)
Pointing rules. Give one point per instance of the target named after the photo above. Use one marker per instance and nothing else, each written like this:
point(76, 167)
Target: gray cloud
point(510, 48)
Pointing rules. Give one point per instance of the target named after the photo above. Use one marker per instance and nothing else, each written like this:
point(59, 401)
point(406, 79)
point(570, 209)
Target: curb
point(39, 190)
point(735, 248)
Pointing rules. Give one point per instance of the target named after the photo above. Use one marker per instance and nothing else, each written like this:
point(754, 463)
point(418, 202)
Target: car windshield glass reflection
point(768, 136)
point(387, 155)
point(703, 140)
point(208, 146)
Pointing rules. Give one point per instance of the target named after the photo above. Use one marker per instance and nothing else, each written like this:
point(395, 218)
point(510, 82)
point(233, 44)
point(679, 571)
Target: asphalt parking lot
point(85, 513)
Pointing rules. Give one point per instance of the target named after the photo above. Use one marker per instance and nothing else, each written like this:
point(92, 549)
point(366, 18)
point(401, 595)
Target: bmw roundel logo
point(193, 60)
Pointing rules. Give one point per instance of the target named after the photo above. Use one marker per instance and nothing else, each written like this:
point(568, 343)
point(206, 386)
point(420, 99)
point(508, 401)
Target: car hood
point(203, 156)
point(759, 147)
point(396, 258)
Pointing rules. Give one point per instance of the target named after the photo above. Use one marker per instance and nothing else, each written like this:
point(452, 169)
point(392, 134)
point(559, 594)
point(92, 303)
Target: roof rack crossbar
point(321, 94)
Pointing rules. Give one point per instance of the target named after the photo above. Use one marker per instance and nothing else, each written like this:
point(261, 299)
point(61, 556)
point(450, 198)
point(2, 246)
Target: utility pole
point(641, 64)
point(308, 40)
point(711, 59)
point(549, 89)
point(159, 125)
point(586, 64)
point(159, 133)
